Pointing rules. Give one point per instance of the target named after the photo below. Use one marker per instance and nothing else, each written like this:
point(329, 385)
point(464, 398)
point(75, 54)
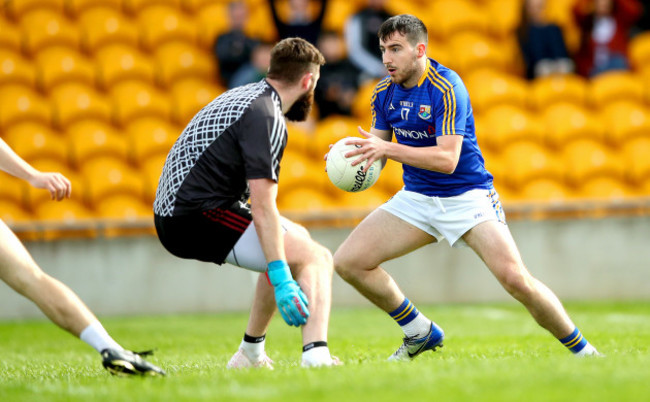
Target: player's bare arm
point(441, 158)
point(57, 184)
point(266, 218)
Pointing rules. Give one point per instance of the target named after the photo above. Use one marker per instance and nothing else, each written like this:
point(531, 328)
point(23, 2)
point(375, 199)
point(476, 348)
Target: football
point(345, 176)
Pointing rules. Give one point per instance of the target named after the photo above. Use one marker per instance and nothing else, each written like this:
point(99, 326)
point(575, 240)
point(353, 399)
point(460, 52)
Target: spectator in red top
point(605, 30)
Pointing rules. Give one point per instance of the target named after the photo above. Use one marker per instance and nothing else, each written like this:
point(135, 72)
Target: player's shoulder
point(442, 77)
point(382, 86)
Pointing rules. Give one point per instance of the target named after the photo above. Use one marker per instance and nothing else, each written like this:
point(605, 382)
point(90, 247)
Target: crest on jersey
point(425, 112)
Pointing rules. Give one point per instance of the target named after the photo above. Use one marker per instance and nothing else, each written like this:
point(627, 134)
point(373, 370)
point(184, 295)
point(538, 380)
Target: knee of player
point(343, 265)
point(517, 281)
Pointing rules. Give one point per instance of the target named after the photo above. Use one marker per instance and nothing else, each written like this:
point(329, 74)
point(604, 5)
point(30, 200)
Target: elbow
point(449, 167)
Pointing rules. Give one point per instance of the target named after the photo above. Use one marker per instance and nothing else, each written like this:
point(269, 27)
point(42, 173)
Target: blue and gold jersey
point(438, 105)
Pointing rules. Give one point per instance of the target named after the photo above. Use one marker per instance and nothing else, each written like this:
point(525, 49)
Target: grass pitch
point(492, 352)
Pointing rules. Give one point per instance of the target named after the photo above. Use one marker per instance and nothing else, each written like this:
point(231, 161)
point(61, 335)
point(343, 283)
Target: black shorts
point(205, 236)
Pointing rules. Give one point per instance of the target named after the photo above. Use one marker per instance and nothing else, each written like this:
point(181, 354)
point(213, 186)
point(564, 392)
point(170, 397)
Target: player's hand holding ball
point(291, 300)
point(343, 174)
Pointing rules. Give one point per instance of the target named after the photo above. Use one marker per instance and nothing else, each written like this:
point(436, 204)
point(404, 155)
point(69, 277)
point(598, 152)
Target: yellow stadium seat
point(135, 99)
point(306, 200)
point(299, 170)
point(545, 189)
point(361, 103)
point(90, 139)
point(12, 213)
point(300, 139)
point(504, 16)
point(74, 101)
point(14, 69)
point(150, 136)
point(119, 62)
point(10, 38)
point(636, 153)
point(104, 26)
point(151, 170)
point(584, 159)
point(57, 65)
point(364, 200)
point(19, 103)
point(508, 123)
point(17, 8)
point(180, 60)
point(473, 51)
point(447, 19)
point(615, 85)
point(161, 24)
point(337, 14)
point(524, 161)
point(390, 178)
point(639, 51)
point(212, 22)
point(334, 128)
point(12, 189)
point(189, 96)
point(547, 91)
point(258, 25)
point(125, 207)
point(42, 28)
point(65, 214)
point(604, 188)
point(489, 88)
point(565, 122)
point(136, 6)
point(105, 176)
point(78, 7)
point(193, 6)
point(34, 141)
point(625, 120)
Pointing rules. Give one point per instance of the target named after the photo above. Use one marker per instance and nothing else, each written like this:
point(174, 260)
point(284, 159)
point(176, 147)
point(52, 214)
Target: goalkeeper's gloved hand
point(290, 299)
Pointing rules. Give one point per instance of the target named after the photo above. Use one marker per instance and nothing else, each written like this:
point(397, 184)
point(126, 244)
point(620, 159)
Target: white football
point(345, 176)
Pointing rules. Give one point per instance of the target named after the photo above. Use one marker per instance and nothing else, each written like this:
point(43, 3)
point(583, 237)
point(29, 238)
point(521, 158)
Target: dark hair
point(291, 58)
point(408, 25)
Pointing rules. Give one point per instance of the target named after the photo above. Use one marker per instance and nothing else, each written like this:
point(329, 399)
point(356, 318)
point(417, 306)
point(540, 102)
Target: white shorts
point(446, 217)
point(247, 252)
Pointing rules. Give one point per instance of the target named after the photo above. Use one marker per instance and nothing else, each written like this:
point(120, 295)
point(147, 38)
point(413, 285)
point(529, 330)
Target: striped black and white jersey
point(240, 135)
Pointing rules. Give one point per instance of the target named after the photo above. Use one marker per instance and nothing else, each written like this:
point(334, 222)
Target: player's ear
point(305, 81)
point(422, 49)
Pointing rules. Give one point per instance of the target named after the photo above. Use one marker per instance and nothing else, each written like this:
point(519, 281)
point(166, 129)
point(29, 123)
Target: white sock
point(254, 351)
point(418, 327)
point(96, 336)
point(588, 350)
point(318, 356)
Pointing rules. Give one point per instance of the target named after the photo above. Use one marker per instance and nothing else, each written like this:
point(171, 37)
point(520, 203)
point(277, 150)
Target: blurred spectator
point(542, 45)
point(233, 48)
point(605, 32)
point(339, 78)
point(362, 41)
point(255, 69)
point(300, 22)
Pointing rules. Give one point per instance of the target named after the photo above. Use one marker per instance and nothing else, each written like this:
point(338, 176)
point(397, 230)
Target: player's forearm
point(433, 158)
point(13, 164)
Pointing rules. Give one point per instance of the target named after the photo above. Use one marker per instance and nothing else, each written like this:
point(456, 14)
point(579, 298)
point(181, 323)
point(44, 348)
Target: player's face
point(400, 59)
point(302, 106)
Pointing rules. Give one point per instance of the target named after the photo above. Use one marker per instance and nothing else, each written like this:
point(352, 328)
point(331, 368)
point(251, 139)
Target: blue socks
point(574, 342)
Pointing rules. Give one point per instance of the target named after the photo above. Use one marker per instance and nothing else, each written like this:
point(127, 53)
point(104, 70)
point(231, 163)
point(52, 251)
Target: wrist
point(278, 272)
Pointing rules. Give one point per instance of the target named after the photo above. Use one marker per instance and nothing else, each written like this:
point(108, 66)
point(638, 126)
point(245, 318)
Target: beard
point(301, 107)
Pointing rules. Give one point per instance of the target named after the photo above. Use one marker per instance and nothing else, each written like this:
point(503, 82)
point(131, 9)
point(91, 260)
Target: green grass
point(492, 352)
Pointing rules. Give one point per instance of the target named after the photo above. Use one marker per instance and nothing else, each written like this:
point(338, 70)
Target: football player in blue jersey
point(447, 193)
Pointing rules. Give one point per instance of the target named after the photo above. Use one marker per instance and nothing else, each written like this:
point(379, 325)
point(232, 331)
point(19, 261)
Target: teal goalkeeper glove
point(290, 299)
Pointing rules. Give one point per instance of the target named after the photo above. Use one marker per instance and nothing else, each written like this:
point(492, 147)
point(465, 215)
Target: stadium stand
point(115, 63)
point(83, 81)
